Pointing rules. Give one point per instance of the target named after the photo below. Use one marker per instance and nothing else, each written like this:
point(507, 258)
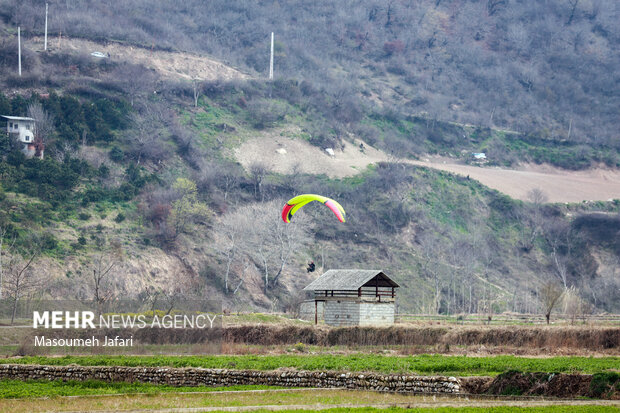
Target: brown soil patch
point(559, 185)
point(171, 65)
point(284, 154)
point(533, 384)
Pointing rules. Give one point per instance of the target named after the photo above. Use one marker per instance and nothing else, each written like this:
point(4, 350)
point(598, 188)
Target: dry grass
point(444, 339)
point(275, 399)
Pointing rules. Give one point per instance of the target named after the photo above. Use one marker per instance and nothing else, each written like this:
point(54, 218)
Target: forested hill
point(141, 192)
point(550, 68)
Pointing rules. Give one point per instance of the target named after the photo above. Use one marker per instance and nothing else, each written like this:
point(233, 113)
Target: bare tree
point(572, 303)
point(145, 139)
point(430, 253)
point(258, 170)
point(3, 231)
point(558, 236)
point(196, 86)
point(537, 196)
point(44, 126)
point(258, 233)
point(102, 273)
point(550, 294)
point(229, 233)
point(135, 80)
point(534, 216)
point(19, 280)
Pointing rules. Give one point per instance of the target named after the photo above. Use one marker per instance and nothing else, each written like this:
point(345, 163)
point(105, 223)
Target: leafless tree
point(19, 280)
point(44, 125)
point(572, 303)
point(258, 171)
point(145, 139)
point(534, 216)
point(558, 236)
point(3, 231)
point(229, 232)
point(537, 197)
point(102, 273)
point(135, 80)
point(256, 232)
point(430, 253)
point(196, 87)
point(550, 294)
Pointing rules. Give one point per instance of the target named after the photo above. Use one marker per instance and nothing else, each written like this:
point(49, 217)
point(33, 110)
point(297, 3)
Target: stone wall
point(219, 377)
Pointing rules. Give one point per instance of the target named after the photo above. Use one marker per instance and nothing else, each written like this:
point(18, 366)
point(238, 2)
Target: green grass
point(12, 389)
point(420, 364)
point(497, 409)
point(253, 318)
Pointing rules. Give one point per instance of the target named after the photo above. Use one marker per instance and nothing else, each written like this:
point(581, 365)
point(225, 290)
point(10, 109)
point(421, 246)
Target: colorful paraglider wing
point(299, 201)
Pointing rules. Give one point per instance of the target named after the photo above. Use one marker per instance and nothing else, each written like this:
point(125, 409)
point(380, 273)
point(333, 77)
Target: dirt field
point(171, 65)
point(559, 185)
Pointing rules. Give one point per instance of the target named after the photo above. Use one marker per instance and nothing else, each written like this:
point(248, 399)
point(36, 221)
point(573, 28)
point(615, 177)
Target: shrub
point(116, 154)
point(119, 218)
point(84, 216)
point(604, 384)
point(264, 113)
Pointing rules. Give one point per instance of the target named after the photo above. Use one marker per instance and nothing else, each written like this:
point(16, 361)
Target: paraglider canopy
point(297, 202)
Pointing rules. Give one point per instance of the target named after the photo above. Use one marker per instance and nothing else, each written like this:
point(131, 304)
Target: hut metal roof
point(347, 280)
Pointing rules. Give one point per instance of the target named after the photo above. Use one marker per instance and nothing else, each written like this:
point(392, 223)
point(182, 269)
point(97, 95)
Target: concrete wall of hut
point(374, 314)
point(342, 313)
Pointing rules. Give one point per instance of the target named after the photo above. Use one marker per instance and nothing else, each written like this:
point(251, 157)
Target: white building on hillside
point(23, 130)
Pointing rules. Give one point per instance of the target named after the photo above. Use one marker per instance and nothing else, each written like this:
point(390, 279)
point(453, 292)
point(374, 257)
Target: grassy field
point(420, 364)
point(14, 389)
point(295, 399)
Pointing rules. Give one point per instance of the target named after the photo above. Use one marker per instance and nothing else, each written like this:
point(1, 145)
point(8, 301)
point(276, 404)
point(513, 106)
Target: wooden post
point(316, 312)
point(19, 51)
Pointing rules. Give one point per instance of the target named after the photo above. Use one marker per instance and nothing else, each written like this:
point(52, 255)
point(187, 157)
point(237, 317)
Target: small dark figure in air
point(310, 267)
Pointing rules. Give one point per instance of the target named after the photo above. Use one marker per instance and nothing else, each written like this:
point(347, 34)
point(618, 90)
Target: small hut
point(354, 297)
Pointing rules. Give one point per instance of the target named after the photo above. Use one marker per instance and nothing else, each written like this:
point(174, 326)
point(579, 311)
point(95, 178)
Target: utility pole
point(271, 60)
point(45, 47)
point(19, 50)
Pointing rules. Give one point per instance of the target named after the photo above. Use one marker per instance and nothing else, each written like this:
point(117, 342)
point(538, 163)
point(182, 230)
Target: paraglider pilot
point(310, 267)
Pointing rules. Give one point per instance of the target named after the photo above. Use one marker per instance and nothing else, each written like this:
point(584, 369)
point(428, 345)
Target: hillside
point(157, 185)
point(283, 155)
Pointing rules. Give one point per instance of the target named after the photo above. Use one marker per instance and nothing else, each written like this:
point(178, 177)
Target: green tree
point(187, 210)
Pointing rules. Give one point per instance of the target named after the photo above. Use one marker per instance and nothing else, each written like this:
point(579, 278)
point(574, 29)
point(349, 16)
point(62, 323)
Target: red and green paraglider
point(294, 204)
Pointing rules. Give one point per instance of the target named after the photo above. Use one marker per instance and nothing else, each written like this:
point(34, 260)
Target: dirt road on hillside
point(283, 155)
point(559, 185)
